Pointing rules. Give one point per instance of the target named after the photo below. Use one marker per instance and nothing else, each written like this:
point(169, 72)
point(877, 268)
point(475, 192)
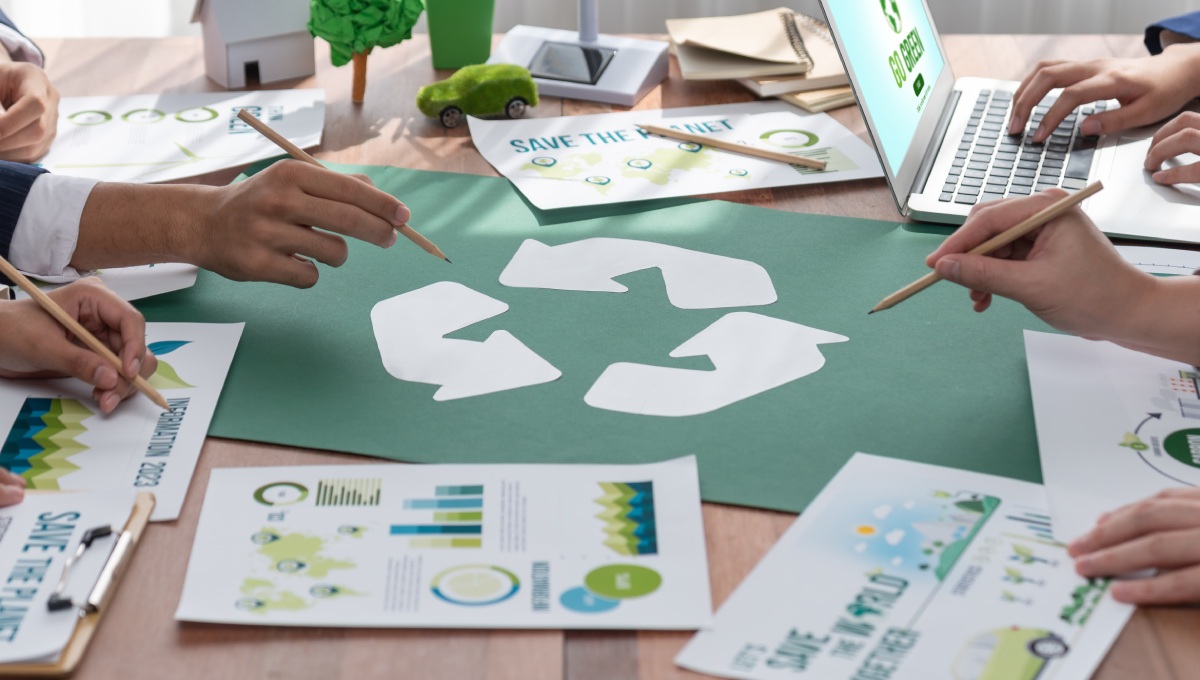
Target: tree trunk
point(359, 89)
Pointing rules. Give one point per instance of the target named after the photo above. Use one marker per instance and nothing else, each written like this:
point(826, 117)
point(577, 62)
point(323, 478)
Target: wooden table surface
point(139, 637)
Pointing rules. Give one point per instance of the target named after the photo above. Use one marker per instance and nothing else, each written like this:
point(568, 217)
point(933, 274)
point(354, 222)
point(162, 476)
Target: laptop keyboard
point(990, 164)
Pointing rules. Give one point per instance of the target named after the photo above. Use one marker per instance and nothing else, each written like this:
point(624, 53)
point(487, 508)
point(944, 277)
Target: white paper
point(446, 546)
point(1114, 425)
point(409, 330)
point(750, 352)
point(161, 137)
point(1133, 204)
point(135, 283)
point(36, 537)
point(694, 280)
point(57, 439)
point(605, 158)
point(908, 571)
point(1162, 261)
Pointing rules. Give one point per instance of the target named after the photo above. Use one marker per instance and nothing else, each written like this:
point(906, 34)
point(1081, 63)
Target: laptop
point(944, 143)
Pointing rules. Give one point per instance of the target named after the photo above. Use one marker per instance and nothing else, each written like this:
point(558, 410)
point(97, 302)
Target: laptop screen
point(896, 60)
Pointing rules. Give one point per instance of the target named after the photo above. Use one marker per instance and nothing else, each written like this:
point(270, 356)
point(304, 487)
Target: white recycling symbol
point(751, 353)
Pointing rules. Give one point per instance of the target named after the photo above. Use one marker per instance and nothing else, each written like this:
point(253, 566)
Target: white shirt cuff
point(21, 48)
point(47, 230)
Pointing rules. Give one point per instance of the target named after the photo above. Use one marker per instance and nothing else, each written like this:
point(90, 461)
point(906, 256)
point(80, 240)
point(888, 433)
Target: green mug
point(460, 31)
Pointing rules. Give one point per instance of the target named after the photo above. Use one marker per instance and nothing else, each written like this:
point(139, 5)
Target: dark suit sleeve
point(1185, 24)
point(16, 179)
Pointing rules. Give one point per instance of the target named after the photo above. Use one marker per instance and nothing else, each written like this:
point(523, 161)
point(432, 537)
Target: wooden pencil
point(998, 241)
point(734, 147)
point(301, 155)
point(60, 315)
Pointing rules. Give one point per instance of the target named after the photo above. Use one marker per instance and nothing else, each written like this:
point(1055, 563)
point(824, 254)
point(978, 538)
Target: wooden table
point(140, 639)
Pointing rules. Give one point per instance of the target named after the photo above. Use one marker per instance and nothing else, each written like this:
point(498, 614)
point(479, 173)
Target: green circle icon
point(280, 493)
point(622, 581)
point(597, 180)
point(639, 163)
point(143, 116)
point(1184, 446)
point(197, 114)
point(790, 139)
point(544, 161)
point(85, 118)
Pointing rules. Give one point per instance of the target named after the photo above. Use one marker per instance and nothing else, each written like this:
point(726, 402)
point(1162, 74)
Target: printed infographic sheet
point(441, 546)
point(572, 161)
point(907, 571)
point(1114, 425)
point(37, 536)
point(161, 137)
point(132, 283)
point(56, 438)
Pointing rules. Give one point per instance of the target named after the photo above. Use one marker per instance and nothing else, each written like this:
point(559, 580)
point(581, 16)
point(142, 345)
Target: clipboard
point(101, 594)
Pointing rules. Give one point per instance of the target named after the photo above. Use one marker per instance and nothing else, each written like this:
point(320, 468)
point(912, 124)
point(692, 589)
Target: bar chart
point(452, 518)
point(349, 492)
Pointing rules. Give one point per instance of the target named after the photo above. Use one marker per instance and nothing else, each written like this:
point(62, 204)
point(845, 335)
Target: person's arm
point(28, 101)
point(1069, 275)
point(261, 229)
point(1148, 88)
point(12, 488)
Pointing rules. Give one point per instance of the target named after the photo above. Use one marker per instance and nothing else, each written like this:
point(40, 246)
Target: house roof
point(241, 20)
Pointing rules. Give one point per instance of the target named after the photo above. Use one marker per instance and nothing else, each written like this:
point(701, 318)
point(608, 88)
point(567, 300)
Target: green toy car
point(480, 90)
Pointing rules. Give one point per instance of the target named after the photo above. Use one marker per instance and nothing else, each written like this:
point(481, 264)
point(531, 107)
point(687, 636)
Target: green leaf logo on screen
point(891, 12)
point(166, 378)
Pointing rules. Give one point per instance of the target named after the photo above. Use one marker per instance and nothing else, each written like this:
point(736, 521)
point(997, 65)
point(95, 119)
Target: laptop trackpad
point(1133, 204)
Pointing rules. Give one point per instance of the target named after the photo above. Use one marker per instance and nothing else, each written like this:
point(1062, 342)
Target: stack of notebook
point(777, 53)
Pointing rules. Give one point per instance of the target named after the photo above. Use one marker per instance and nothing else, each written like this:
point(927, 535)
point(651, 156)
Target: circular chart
point(476, 585)
point(585, 602)
point(622, 581)
point(86, 118)
point(198, 114)
point(143, 116)
point(281, 493)
point(789, 139)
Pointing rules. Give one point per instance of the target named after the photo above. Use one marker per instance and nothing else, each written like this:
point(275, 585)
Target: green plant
point(354, 27)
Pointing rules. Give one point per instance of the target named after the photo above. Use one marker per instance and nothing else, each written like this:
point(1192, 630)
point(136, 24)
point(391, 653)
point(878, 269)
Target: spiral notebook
point(771, 43)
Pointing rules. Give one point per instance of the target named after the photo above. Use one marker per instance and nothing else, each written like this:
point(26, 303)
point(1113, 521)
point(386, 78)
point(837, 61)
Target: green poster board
point(929, 381)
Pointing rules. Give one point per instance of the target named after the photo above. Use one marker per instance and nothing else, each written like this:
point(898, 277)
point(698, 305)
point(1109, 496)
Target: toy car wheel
point(1049, 647)
point(515, 108)
point(451, 116)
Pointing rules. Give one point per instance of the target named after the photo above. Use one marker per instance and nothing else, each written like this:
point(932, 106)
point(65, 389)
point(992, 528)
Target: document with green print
point(447, 546)
point(908, 571)
point(161, 137)
point(604, 158)
point(56, 438)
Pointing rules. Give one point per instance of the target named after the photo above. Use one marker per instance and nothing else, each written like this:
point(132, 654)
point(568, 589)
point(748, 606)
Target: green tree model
point(354, 27)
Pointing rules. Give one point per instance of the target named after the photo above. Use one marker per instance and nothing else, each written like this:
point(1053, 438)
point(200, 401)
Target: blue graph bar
point(411, 529)
point(441, 503)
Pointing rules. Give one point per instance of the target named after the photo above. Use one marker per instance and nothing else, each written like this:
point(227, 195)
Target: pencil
point(735, 147)
point(78, 331)
point(998, 241)
point(301, 155)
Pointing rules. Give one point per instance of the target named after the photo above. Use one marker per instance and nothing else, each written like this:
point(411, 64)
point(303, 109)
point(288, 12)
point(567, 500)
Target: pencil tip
point(447, 259)
point(870, 312)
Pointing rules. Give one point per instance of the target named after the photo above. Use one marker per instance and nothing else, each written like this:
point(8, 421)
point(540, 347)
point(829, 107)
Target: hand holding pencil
point(35, 343)
point(1065, 271)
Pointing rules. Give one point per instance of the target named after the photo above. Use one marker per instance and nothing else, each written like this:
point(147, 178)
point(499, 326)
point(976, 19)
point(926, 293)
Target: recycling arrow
point(409, 330)
point(752, 353)
point(694, 280)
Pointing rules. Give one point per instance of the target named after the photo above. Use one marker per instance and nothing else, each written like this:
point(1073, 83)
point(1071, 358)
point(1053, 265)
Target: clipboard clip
point(109, 575)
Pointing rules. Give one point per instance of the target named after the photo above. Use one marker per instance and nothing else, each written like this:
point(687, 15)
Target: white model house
point(269, 38)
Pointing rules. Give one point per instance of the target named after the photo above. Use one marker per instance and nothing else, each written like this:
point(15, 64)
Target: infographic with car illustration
point(492, 546)
point(605, 158)
point(56, 438)
point(1114, 426)
point(160, 137)
point(908, 571)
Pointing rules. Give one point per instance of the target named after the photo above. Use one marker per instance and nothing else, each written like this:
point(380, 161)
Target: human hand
point(29, 119)
point(34, 345)
point(1149, 89)
point(1161, 532)
point(262, 229)
point(12, 488)
point(1065, 272)
point(1180, 136)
